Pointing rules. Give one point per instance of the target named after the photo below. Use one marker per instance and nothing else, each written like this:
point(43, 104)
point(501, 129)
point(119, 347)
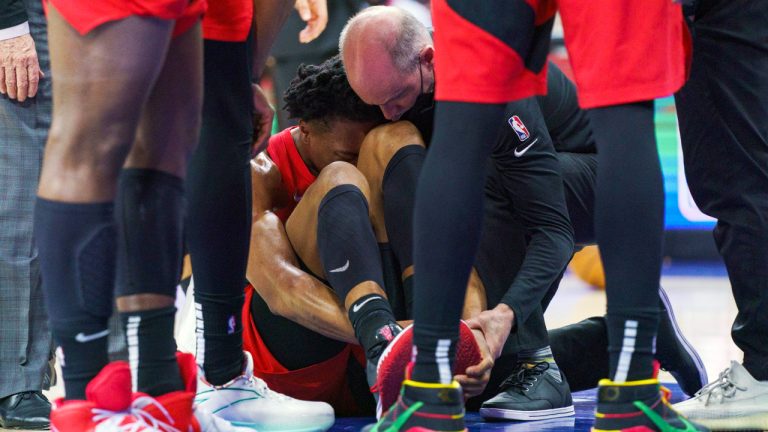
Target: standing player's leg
point(629, 206)
point(150, 208)
point(219, 178)
point(449, 209)
point(102, 82)
point(725, 148)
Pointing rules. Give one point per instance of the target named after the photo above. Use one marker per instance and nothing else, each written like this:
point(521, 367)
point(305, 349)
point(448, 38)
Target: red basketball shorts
point(86, 15)
point(494, 51)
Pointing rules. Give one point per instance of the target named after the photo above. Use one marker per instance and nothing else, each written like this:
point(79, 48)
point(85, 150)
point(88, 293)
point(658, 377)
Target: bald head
point(380, 48)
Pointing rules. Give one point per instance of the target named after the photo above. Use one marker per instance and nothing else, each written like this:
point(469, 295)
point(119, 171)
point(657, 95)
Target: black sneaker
point(424, 407)
point(675, 354)
point(638, 406)
point(530, 393)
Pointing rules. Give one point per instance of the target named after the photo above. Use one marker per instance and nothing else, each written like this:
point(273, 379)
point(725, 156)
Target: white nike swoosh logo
point(83, 338)
point(519, 153)
point(340, 269)
point(357, 307)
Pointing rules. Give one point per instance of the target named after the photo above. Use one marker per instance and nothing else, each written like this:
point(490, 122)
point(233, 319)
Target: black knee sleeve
point(150, 208)
point(77, 262)
point(348, 248)
point(399, 188)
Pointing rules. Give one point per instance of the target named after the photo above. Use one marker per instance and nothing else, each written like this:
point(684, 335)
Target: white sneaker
point(247, 401)
point(212, 423)
point(735, 401)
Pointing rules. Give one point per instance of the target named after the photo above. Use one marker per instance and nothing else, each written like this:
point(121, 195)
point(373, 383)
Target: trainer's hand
point(263, 115)
point(19, 68)
point(315, 14)
point(476, 378)
point(495, 325)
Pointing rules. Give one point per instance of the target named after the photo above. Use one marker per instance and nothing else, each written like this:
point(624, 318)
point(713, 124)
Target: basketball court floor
point(704, 307)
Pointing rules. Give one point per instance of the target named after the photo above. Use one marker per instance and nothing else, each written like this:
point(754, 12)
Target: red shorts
point(325, 381)
point(228, 20)
point(86, 15)
point(621, 51)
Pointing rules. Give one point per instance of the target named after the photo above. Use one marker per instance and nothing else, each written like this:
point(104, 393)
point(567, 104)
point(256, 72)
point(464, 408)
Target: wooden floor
point(701, 297)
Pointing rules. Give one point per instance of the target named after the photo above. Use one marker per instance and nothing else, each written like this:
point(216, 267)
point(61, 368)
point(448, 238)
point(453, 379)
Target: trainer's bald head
point(379, 46)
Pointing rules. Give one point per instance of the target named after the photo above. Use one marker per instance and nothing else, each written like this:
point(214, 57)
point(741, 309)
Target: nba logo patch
point(519, 127)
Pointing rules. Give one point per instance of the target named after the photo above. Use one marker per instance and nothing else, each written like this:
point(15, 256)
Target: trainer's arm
point(274, 272)
point(535, 188)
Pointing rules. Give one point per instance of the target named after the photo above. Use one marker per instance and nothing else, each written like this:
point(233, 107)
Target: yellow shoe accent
point(607, 382)
point(452, 385)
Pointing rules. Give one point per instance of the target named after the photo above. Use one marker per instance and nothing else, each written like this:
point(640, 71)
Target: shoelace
point(263, 389)
point(113, 421)
point(722, 388)
point(137, 409)
point(524, 376)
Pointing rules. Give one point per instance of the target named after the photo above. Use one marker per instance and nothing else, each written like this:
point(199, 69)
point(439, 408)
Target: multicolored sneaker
point(735, 401)
point(247, 401)
point(107, 407)
point(638, 406)
point(424, 407)
point(393, 361)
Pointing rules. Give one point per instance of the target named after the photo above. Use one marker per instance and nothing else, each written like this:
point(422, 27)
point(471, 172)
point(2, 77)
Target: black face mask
point(424, 102)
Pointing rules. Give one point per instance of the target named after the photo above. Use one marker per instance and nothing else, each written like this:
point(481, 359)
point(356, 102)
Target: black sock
point(219, 336)
point(76, 244)
point(346, 242)
point(447, 223)
point(373, 321)
point(151, 354)
point(629, 188)
point(150, 207)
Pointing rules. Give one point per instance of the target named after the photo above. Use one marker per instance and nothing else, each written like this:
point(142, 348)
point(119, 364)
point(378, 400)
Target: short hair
point(322, 92)
point(410, 38)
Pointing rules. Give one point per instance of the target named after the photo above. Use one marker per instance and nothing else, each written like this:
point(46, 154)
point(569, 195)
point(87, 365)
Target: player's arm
point(273, 269)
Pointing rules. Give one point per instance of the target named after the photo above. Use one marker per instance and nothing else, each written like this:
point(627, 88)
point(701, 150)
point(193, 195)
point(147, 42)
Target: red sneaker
point(397, 355)
point(171, 411)
point(107, 406)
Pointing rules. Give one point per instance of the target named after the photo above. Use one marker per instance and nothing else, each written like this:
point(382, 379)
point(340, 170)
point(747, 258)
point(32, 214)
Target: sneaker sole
point(743, 423)
point(686, 345)
point(499, 413)
point(321, 427)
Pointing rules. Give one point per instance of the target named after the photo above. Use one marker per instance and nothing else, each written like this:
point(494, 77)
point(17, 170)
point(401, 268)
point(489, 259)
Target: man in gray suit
point(25, 116)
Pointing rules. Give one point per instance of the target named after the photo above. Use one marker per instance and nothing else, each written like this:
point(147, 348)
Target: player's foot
point(530, 393)
point(424, 407)
point(247, 401)
point(173, 409)
point(676, 354)
point(107, 407)
point(397, 355)
point(384, 336)
point(735, 401)
point(638, 406)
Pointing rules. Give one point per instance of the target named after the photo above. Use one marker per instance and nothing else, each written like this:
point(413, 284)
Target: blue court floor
point(583, 401)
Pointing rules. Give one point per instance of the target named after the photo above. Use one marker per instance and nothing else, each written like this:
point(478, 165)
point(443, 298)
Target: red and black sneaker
point(424, 407)
point(107, 406)
point(638, 406)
